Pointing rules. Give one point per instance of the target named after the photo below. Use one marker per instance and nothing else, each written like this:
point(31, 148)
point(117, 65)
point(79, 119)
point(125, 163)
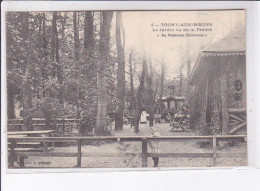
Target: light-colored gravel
point(180, 146)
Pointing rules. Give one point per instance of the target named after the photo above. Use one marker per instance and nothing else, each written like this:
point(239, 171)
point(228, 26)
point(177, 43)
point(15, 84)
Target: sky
point(139, 29)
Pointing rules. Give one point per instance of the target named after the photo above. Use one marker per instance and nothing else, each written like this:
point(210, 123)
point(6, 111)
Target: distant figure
point(155, 145)
point(168, 117)
point(143, 118)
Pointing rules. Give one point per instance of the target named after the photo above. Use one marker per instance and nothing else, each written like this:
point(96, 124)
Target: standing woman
point(155, 145)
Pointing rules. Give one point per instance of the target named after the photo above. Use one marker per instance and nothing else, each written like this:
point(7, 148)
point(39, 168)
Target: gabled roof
point(233, 44)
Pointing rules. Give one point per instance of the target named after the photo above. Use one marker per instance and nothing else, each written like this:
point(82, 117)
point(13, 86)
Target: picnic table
point(21, 146)
point(28, 133)
point(16, 136)
point(41, 133)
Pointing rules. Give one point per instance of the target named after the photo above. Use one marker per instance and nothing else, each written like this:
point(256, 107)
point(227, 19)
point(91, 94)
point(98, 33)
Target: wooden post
point(12, 154)
point(214, 150)
point(144, 152)
point(45, 145)
point(21, 161)
point(79, 154)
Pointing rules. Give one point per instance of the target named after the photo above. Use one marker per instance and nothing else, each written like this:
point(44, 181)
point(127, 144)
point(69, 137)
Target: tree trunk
point(45, 44)
point(162, 85)
point(88, 31)
point(151, 96)
point(88, 70)
point(120, 74)
point(105, 25)
point(27, 72)
point(55, 56)
point(59, 69)
point(47, 111)
point(180, 85)
point(139, 97)
point(132, 94)
point(188, 78)
point(53, 42)
point(63, 26)
point(10, 103)
point(76, 53)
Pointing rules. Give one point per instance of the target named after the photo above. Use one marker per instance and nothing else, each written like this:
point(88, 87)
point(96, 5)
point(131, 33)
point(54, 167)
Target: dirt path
point(180, 146)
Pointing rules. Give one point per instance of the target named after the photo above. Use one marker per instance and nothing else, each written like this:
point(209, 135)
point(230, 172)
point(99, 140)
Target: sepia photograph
point(126, 89)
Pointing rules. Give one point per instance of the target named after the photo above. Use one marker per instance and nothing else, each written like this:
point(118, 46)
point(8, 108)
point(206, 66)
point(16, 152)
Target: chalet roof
point(234, 44)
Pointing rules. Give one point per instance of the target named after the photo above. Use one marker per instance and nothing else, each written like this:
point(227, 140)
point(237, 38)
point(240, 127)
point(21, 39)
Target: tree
point(120, 73)
point(162, 79)
point(139, 97)
point(14, 59)
point(89, 74)
point(151, 93)
point(27, 73)
point(105, 25)
point(132, 93)
point(88, 32)
point(76, 53)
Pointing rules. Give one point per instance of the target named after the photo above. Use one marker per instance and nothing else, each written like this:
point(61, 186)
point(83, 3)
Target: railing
point(61, 125)
point(213, 139)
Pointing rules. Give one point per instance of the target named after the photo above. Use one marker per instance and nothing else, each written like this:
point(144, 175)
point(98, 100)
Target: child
point(155, 145)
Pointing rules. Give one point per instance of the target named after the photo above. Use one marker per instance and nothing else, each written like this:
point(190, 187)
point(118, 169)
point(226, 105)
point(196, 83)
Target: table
point(42, 133)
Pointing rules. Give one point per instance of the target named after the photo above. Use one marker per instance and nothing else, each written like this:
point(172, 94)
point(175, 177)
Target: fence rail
point(143, 139)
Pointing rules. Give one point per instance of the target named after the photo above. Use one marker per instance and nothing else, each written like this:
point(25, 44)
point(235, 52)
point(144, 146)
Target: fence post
point(12, 155)
point(214, 150)
point(144, 152)
point(79, 153)
point(21, 160)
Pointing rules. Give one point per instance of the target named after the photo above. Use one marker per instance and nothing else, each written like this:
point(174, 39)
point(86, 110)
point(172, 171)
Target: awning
point(233, 44)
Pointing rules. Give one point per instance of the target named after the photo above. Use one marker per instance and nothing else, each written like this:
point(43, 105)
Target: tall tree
point(47, 110)
point(27, 73)
point(89, 74)
point(105, 25)
point(55, 55)
point(162, 79)
point(132, 93)
point(10, 102)
point(45, 44)
point(76, 54)
point(151, 93)
point(54, 38)
point(14, 59)
point(88, 31)
point(120, 73)
point(139, 97)
point(181, 80)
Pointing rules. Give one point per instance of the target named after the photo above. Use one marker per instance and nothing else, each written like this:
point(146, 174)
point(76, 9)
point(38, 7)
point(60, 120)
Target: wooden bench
point(23, 147)
point(27, 144)
point(20, 159)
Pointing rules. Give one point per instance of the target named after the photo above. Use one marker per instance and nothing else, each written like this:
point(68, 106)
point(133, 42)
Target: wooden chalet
point(219, 86)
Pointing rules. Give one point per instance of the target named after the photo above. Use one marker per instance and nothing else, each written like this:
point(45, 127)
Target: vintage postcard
point(126, 89)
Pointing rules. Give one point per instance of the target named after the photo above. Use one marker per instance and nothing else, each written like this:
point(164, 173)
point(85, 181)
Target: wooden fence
point(144, 140)
point(62, 125)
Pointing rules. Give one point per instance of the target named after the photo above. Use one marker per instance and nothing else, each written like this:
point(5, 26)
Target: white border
point(252, 102)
